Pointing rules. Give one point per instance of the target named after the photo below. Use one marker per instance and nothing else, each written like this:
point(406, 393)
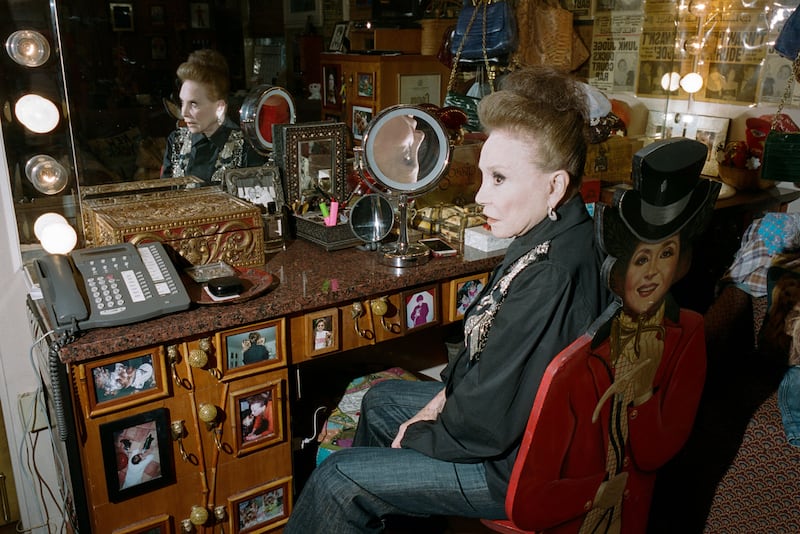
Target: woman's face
point(651, 272)
point(198, 109)
point(514, 192)
point(397, 149)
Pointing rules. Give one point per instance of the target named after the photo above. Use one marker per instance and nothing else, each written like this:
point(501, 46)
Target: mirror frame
point(287, 137)
point(441, 138)
point(250, 112)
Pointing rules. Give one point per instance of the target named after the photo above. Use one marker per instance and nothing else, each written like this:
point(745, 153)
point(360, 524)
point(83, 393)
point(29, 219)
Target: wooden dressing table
point(203, 394)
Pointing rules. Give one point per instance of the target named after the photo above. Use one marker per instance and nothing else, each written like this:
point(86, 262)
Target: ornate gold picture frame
point(312, 157)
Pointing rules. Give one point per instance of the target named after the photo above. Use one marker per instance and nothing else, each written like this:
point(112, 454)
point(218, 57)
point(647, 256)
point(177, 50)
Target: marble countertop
point(305, 278)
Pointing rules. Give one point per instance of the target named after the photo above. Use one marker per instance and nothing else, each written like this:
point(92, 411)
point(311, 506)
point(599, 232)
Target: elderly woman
point(209, 143)
point(431, 448)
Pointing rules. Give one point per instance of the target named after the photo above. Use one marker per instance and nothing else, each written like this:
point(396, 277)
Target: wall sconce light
point(55, 233)
point(28, 48)
point(670, 81)
point(36, 113)
point(46, 174)
point(692, 82)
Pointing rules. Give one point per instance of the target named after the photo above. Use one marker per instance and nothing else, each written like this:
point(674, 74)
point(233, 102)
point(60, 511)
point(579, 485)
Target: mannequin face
point(397, 149)
point(651, 272)
point(198, 109)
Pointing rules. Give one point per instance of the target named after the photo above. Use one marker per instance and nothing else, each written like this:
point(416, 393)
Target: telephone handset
point(109, 286)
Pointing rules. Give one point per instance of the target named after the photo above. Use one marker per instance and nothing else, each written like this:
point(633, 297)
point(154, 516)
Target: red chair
point(561, 459)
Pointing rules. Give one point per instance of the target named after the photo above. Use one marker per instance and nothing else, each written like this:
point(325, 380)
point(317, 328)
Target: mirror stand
point(402, 253)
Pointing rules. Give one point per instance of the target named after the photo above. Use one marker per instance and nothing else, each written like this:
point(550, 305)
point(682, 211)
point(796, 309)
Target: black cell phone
point(439, 247)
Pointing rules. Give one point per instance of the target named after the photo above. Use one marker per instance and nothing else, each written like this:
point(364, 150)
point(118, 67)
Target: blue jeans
point(789, 404)
point(355, 489)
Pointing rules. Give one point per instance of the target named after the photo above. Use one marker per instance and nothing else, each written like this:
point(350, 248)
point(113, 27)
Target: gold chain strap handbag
point(781, 161)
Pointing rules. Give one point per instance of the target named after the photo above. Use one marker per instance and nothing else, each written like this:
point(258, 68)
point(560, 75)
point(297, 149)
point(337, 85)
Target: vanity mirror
point(406, 150)
point(265, 106)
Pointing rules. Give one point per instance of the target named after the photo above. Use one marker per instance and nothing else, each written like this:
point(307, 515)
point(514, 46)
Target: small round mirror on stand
point(371, 219)
point(263, 107)
point(407, 151)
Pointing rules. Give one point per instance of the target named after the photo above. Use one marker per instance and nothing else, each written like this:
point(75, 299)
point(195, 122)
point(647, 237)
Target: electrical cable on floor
point(315, 433)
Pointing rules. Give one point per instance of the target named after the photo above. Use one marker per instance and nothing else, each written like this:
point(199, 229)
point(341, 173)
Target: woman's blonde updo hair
point(210, 68)
point(549, 108)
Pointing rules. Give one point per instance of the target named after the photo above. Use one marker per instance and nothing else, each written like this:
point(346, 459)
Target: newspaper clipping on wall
point(659, 57)
point(734, 48)
point(615, 50)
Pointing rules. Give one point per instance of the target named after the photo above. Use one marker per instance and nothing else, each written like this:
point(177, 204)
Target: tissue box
point(204, 225)
point(480, 238)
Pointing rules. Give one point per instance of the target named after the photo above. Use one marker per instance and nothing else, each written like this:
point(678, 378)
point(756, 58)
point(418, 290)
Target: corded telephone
point(109, 286)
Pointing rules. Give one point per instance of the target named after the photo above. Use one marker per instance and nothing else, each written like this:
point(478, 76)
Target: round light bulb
point(693, 45)
point(46, 174)
point(692, 82)
point(28, 48)
point(59, 238)
point(47, 219)
point(698, 8)
point(671, 81)
point(36, 113)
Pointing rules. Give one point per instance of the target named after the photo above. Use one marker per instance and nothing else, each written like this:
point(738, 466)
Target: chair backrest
point(561, 459)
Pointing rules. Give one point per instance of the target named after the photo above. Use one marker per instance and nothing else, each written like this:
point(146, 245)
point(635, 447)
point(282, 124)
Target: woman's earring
point(551, 213)
point(220, 117)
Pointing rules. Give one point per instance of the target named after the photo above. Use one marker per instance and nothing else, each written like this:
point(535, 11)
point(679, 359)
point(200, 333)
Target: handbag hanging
point(781, 160)
point(496, 33)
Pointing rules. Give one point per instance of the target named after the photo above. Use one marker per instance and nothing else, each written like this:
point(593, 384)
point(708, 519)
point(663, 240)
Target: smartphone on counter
point(439, 247)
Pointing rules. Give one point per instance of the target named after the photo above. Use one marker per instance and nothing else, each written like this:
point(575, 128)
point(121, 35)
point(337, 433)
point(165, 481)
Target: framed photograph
point(261, 186)
point(157, 15)
point(257, 416)
point(361, 119)
point(158, 48)
point(330, 86)
point(199, 15)
point(339, 32)
point(312, 156)
point(421, 308)
point(161, 524)
point(262, 508)
point(366, 84)
point(137, 454)
point(463, 292)
point(322, 331)
point(121, 17)
point(252, 349)
point(420, 89)
point(124, 381)
point(296, 13)
point(711, 131)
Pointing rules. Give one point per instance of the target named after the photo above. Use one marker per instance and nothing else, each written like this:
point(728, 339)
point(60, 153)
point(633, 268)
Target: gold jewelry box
point(204, 225)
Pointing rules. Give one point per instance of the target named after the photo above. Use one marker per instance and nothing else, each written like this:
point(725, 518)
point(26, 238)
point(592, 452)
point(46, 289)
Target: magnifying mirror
point(371, 219)
point(264, 106)
point(406, 150)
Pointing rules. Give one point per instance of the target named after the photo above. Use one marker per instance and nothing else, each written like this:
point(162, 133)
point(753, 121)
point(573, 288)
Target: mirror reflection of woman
point(208, 143)
point(397, 145)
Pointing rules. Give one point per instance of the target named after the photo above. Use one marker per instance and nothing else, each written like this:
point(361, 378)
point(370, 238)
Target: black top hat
point(667, 189)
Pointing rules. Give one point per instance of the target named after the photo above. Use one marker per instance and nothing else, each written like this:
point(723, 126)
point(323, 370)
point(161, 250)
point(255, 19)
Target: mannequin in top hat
point(628, 400)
